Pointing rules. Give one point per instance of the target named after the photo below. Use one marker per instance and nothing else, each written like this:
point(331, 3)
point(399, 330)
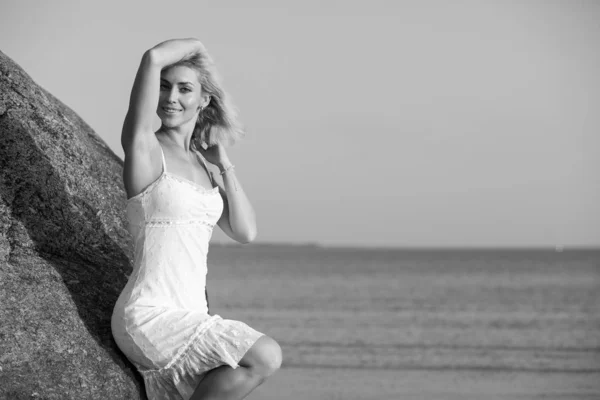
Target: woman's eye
point(185, 90)
point(163, 86)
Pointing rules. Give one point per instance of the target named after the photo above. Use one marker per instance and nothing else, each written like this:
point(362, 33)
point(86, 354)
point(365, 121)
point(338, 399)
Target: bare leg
point(226, 383)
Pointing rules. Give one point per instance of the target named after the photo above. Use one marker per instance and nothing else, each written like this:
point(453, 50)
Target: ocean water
point(379, 311)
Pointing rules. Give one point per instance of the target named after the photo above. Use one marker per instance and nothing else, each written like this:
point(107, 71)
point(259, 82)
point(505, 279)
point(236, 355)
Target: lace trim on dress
point(158, 222)
point(194, 185)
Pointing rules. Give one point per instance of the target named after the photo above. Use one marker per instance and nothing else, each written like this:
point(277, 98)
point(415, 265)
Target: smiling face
point(180, 96)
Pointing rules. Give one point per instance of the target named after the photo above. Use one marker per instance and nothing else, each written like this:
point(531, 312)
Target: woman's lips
point(170, 110)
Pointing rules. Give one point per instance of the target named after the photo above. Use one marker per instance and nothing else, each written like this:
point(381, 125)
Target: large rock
point(64, 251)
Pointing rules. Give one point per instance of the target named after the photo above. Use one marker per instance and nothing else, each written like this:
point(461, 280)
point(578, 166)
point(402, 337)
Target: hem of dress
point(182, 351)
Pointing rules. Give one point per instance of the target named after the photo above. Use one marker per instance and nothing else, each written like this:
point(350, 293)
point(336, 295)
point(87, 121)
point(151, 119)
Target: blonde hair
point(217, 122)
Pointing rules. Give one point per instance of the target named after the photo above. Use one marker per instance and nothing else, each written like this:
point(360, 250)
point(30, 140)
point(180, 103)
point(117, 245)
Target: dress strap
point(164, 163)
point(205, 167)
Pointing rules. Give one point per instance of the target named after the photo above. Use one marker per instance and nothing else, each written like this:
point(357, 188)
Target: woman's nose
point(172, 98)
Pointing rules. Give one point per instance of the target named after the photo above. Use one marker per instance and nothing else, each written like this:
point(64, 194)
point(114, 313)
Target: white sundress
point(161, 320)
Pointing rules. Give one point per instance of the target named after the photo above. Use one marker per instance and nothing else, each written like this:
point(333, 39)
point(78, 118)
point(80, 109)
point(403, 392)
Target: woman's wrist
point(225, 167)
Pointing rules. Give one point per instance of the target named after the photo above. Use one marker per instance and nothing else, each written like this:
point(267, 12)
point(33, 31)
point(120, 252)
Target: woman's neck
point(178, 137)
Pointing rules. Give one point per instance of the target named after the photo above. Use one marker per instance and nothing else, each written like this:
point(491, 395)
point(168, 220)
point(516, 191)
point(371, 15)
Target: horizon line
point(556, 248)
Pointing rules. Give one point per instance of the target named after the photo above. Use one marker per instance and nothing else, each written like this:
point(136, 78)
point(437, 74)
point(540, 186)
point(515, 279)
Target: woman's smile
point(171, 110)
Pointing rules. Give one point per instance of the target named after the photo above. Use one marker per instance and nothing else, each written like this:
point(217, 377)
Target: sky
point(369, 123)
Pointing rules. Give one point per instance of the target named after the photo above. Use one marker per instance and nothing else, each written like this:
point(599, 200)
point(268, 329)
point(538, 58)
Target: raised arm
point(238, 219)
point(137, 128)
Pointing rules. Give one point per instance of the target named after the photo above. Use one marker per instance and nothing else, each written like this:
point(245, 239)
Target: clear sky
point(370, 123)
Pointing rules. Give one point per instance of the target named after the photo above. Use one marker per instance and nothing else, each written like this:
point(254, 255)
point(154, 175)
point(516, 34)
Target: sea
point(356, 323)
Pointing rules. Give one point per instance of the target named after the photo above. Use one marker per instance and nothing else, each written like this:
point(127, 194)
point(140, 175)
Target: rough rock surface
point(64, 251)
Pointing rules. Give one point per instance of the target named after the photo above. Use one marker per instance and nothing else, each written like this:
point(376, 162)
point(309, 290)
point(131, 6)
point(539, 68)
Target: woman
point(161, 320)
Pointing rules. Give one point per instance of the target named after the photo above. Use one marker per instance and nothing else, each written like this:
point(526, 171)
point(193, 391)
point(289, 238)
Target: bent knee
point(266, 356)
point(274, 356)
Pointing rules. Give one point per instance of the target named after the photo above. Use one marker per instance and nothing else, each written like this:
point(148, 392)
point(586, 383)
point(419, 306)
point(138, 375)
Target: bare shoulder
point(142, 165)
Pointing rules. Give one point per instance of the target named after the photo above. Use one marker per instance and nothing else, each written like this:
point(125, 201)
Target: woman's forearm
point(242, 218)
point(174, 50)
